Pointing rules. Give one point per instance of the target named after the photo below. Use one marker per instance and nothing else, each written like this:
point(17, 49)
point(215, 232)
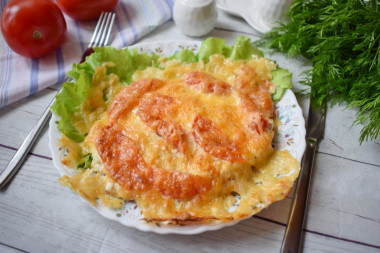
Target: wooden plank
point(319, 243)
point(8, 249)
point(342, 139)
point(344, 200)
point(36, 208)
point(19, 118)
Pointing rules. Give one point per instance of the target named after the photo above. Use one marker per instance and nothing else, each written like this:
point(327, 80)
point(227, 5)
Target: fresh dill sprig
point(342, 40)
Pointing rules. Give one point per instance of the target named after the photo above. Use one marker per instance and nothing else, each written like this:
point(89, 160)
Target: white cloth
point(21, 76)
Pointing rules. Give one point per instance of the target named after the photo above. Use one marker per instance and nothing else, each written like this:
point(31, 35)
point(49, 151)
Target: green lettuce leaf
point(282, 78)
point(243, 49)
point(209, 47)
point(184, 55)
point(67, 102)
point(140, 61)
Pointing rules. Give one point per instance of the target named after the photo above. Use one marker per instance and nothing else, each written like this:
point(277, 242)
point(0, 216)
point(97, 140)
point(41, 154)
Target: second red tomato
point(85, 9)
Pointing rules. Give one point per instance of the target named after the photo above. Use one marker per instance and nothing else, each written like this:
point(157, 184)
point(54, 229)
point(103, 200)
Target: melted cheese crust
point(189, 142)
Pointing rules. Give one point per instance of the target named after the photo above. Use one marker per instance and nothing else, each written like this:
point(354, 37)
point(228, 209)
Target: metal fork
point(100, 38)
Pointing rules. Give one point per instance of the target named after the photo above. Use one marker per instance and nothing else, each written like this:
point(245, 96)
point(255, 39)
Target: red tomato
point(33, 28)
point(85, 9)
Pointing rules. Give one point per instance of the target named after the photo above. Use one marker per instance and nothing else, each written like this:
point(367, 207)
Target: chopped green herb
point(86, 162)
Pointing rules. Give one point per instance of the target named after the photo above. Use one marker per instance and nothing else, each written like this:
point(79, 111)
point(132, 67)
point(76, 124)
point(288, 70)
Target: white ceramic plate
point(290, 136)
point(260, 14)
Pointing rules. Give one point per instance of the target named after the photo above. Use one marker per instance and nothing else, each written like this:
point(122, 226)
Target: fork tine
point(104, 32)
point(102, 22)
point(96, 31)
point(108, 36)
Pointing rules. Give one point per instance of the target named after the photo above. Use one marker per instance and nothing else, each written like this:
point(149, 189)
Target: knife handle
point(293, 233)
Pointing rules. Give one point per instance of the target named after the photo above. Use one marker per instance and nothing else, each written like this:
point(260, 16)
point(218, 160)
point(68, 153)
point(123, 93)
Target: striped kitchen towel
point(21, 77)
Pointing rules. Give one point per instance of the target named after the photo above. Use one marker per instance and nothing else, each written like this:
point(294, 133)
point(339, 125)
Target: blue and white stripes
point(21, 77)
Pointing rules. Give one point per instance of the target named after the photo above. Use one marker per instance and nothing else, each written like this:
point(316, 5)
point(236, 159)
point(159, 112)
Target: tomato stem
point(37, 35)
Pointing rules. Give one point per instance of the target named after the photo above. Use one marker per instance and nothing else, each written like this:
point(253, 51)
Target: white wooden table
point(37, 214)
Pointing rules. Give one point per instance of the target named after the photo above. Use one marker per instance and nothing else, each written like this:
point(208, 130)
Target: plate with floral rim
point(290, 136)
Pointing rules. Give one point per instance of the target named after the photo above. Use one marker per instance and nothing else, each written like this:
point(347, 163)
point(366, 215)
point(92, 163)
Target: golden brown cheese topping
point(156, 111)
point(190, 141)
point(214, 141)
point(207, 83)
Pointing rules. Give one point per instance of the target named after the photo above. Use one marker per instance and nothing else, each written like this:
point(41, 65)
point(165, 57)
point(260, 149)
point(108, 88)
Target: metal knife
point(314, 132)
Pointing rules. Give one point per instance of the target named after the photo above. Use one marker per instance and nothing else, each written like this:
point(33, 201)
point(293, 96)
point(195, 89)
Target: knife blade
point(314, 132)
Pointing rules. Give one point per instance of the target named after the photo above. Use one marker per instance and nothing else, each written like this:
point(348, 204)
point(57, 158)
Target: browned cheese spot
point(207, 83)
point(130, 96)
point(156, 111)
point(214, 141)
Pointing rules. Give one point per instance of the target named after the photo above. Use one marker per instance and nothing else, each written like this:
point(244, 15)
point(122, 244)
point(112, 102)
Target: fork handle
point(18, 159)
point(293, 233)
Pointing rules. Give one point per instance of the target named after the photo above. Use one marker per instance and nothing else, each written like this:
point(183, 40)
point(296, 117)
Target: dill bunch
point(342, 40)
